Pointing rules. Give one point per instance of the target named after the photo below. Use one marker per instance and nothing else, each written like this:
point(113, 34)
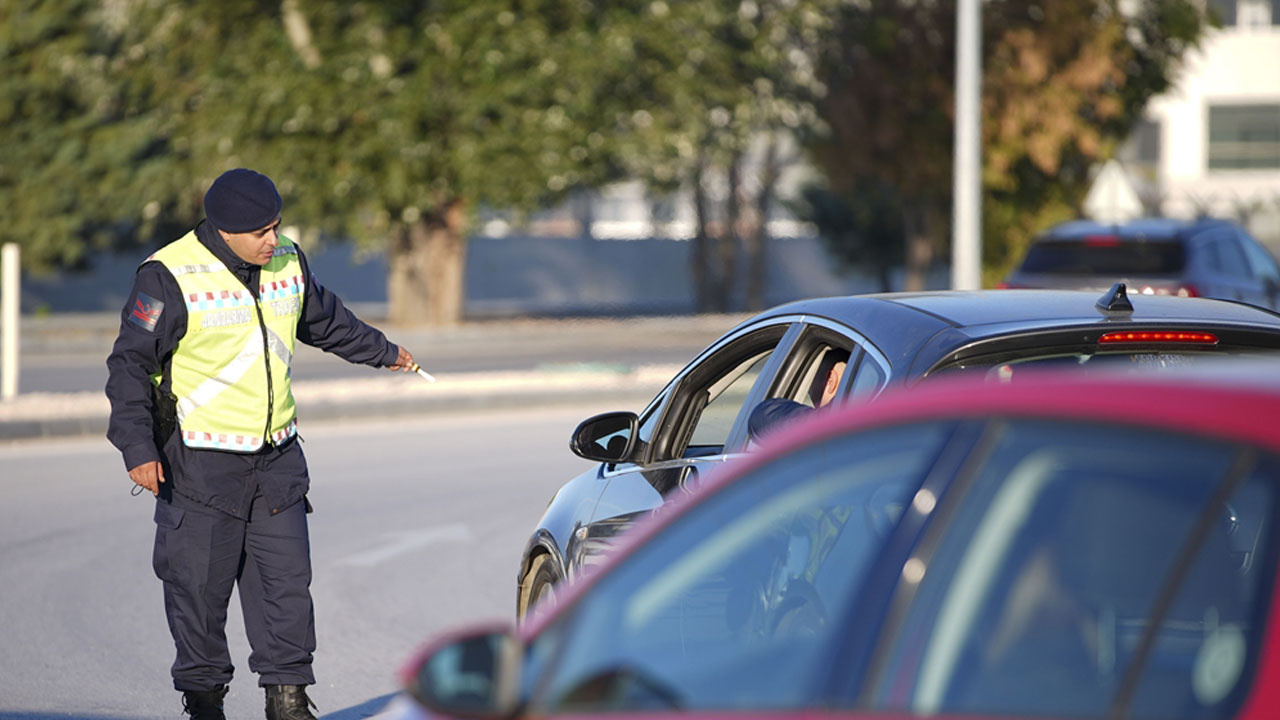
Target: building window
point(1140, 153)
point(1224, 11)
point(1244, 137)
point(1255, 13)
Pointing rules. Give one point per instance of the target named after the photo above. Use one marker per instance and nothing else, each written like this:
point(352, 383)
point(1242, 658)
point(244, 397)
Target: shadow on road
point(355, 712)
point(45, 715)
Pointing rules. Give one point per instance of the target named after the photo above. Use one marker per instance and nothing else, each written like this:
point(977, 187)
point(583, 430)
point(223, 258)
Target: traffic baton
point(425, 375)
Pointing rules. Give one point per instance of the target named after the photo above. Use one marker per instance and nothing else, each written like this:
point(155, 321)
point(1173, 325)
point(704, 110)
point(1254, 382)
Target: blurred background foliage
point(393, 123)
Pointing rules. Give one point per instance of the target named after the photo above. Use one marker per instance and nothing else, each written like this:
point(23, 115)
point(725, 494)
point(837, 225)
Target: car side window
point(1090, 572)
point(869, 379)
point(707, 401)
point(649, 420)
point(1229, 258)
point(738, 604)
point(1263, 264)
point(724, 400)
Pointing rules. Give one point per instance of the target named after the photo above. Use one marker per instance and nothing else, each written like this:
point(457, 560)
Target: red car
point(1066, 546)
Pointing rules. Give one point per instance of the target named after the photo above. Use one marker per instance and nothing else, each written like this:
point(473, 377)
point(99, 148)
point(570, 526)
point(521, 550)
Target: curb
point(64, 415)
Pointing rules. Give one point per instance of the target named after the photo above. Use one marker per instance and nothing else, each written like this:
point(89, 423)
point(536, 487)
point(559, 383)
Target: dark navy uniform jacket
point(152, 323)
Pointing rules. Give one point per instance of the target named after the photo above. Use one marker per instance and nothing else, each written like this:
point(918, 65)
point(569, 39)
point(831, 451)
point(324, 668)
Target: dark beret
point(242, 200)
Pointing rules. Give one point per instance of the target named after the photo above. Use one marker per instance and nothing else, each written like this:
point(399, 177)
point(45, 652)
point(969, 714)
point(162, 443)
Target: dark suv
point(1157, 256)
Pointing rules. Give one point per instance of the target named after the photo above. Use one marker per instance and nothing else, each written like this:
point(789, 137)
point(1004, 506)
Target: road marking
point(408, 542)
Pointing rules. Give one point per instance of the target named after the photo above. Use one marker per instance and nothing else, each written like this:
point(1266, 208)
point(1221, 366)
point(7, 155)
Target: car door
point(687, 433)
point(1083, 570)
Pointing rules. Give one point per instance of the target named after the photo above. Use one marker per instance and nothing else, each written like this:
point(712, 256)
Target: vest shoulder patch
point(146, 312)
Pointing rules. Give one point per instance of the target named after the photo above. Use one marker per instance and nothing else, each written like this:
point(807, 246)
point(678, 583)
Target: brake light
point(1101, 240)
point(1178, 291)
point(1160, 336)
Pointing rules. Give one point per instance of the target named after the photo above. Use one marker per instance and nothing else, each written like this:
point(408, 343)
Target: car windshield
point(1090, 256)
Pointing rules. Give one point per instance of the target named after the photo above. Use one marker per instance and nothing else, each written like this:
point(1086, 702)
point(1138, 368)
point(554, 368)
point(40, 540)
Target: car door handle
point(690, 478)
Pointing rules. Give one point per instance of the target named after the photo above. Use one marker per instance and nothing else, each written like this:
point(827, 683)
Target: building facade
point(1212, 144)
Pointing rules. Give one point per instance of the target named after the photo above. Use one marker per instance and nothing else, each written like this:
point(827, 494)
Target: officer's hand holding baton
point(405, 363)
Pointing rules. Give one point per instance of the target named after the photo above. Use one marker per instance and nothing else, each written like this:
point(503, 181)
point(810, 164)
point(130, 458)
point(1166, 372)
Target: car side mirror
point(609, 438)
point(476, 675)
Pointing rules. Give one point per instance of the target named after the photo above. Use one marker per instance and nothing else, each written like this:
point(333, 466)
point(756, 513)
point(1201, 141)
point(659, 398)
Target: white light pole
point(966, 184)
point(9, 321)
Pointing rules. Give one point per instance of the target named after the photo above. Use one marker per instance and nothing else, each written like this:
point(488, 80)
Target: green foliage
point(370, 115)
point(375, 116)
point(1063, 84)
point(863, 229)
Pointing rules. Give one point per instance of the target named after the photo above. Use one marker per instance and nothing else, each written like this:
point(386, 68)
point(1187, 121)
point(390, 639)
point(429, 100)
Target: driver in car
point(773, 412)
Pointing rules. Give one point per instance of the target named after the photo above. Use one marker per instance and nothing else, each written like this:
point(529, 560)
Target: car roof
point(901, 324)
point(957, 308)
point(1140, 229)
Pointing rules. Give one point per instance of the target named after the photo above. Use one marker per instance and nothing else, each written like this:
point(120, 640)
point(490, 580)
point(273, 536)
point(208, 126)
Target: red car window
point(1091, 570)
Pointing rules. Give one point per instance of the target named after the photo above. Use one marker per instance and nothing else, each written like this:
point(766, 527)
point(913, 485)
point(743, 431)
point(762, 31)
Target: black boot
point(204, 705)
point(289, 702)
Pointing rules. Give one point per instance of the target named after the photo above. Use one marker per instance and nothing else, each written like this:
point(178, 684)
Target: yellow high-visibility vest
point(230, 371)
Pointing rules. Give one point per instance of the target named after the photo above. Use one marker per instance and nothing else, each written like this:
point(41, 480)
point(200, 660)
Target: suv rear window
point(1107, 256)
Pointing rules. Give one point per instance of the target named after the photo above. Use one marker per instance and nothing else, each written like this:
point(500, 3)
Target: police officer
point(202, 411)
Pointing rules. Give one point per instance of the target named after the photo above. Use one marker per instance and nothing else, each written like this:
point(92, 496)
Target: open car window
point(706, 403)
point(819, 361)
point(723, 401)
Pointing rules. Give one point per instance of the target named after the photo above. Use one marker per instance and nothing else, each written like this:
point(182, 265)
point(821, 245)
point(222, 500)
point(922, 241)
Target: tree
point(1063, 84)
point(739, 77)
point(863, 230)
point(73, 179)
point(386, 122)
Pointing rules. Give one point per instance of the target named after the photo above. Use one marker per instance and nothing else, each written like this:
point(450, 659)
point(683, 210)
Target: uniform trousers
point(200, 554)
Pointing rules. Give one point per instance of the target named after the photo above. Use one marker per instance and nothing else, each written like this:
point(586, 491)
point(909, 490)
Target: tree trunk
point(700, 251)
point(727, 242)
point(882, 274)
point(919, 255)
point(757, 234)
point(425, 279)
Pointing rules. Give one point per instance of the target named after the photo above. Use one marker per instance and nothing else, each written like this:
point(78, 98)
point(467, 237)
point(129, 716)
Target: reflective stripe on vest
point(230, 371)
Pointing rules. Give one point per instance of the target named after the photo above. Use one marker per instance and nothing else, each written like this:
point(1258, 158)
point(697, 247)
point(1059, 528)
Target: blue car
point(1154, 256)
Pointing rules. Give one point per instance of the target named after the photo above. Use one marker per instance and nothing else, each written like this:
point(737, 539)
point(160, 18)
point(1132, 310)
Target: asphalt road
point(418, 526)
point(68, 354)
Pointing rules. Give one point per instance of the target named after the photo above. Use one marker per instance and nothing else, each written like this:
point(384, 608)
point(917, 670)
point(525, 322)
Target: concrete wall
point(511, 276)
